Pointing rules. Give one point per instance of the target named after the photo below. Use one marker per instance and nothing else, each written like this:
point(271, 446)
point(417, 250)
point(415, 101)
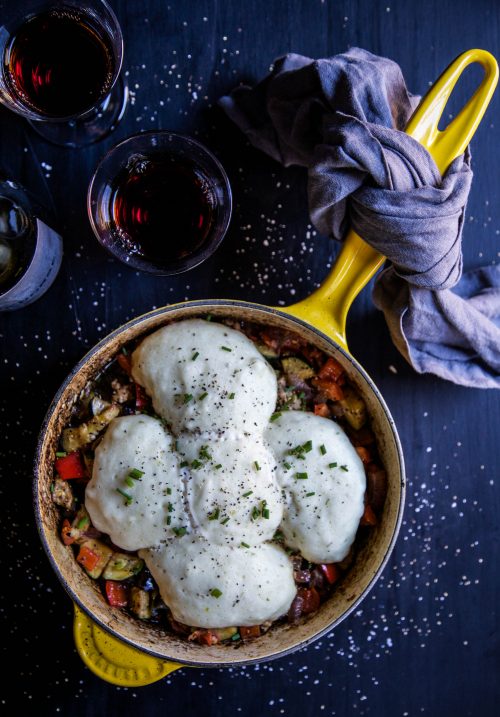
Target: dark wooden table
point(425, 641)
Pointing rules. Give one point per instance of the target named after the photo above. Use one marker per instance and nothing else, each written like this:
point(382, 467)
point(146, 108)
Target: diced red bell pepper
point(140, 398)
point(87, 558)
point(125, 363)
point(331, 370)
point(330, 572)
point(66, 533)
point(70, 466)
point(329, 388)
point(116, 593)
point(368, 517)
point(321, 409)
point(364, 454)
point(247, 633)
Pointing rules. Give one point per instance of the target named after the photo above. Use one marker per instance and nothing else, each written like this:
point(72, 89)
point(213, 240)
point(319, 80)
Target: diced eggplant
point(122, 566)
point(98, 405)
point(140, 603)
point(75, 438)
point(354, 408)
point(122, 392)
point(62, 494)
point(296, 370)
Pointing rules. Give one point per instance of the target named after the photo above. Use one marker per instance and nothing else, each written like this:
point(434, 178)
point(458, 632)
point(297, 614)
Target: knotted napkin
point(343, 118)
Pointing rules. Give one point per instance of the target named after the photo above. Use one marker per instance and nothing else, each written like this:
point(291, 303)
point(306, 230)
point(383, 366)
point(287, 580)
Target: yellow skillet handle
point(357, 262)
point(114, 661)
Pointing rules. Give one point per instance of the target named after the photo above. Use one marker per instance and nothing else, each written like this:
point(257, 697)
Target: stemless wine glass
point(160, 202)
point(61, 63)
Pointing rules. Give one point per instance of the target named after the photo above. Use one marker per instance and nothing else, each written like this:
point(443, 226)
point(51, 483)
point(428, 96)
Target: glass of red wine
point(61, 64)
point(160, 202)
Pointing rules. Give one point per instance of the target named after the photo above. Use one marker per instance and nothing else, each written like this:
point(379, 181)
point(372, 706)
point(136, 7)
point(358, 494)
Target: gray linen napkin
point(342, 118)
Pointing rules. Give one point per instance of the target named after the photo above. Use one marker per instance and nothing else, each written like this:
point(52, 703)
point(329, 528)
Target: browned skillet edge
point(205, 305)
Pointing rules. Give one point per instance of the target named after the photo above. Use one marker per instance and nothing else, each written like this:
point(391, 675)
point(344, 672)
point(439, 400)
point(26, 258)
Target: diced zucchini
point(354, 408)
point(103, 553)
point(62, 494)
point(75, 438)
point(296, 369)
point(224, 633)
point(122, 566)
point(140, 603)
point(267, 351)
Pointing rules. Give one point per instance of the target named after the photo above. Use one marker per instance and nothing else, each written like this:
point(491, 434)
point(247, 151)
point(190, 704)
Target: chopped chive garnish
point(231, 395)
point(344, 468)
point(332, 465)
point(203, 453)
point(226, 348)
point(215, 592)
point(124, 351)
point(256, 465)
point(187, 397)
point(203, 396)
point(129, 482)
point(235, 637)
point(287, 465)
point(52, 487)
point(278, 535)
point(170, 507)
point(275, 416)
point(61, 454)
point(214, 515)
point(255, 513)
point(169, 491)
point(219, 465)
point(135, 473)
point(223, 522)
point(184, 464)
point(180, 531)
point(322, 450)
point(308, 495)
point(301, 476)
point(265, 513)
point(195, 356)
point(82, 522)
point(244, 545)
point(128, 498)
point(196, 463)
point(169, 519)
point(307, 446)
point(249, 492)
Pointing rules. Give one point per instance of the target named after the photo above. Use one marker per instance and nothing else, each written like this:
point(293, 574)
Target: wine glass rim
point(197, 257)
point(118, 51)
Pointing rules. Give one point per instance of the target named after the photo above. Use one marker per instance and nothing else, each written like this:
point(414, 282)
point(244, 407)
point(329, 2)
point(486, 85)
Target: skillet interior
point(282, 638)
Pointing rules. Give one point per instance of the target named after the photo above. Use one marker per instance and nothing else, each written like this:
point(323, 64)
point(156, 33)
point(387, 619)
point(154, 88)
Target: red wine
point(162, 208)
point(58, 64)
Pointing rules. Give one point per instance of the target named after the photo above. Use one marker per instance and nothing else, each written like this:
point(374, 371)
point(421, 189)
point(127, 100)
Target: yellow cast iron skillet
point(129, 652)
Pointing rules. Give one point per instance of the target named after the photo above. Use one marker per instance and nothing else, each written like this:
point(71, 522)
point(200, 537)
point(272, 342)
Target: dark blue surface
point(425, 641)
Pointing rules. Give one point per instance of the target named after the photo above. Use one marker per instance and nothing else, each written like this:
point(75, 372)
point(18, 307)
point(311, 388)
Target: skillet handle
point(357, 262)
point(114, 661)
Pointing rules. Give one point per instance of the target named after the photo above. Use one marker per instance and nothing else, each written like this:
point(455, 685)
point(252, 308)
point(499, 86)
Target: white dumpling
point(204, 376)
point(324, 482)
point(209, 585)
point(156, 505)
point(231, 488)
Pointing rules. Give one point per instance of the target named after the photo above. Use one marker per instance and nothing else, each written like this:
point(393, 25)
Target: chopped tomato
point(87, 558)
point(310, 600)
point(203, 637)
point(330, 572)
point(117, 593)
point(70, 466)
point(364, 454)
point(66, 533)
point(368, 517)
point(125, 363)
point(140, 398)
point(329, 388)
point(321, 409)
point(247, 633)
point(331, 370)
